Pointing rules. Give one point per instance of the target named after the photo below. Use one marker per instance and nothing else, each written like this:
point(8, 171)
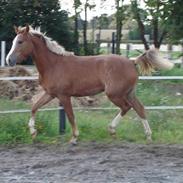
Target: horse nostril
point(11, 62)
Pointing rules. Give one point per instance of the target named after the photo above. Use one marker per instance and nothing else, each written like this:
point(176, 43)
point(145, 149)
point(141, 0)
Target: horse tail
point(150, 60)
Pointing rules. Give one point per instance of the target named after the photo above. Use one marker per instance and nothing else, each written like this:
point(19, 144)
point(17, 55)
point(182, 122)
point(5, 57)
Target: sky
point(108, 7)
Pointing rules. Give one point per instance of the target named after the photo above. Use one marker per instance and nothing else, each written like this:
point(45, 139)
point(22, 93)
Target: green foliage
point(175, 23)
point(134, 34)
point(77, 4)
point(164, 17)
point(43, 13)
point(103, 21)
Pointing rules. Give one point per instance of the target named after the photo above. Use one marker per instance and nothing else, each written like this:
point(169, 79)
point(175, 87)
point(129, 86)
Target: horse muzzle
point(14, 59)
point(11, 60)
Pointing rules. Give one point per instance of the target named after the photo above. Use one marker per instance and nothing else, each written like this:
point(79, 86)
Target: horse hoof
point(73, 141)
point(112, 131)
point(149, 140)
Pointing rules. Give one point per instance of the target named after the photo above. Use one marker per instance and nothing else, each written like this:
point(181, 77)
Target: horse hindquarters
point(125, 103)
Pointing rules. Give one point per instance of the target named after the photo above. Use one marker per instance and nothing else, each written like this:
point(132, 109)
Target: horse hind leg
point(139, 108)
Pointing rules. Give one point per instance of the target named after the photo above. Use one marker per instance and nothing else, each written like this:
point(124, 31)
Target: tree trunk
point(142, 32)
point(155, 33)
point(85, 44)
point(157, 38)
point(76, 33)
point(118, 28)
point(155, 26)
point(162, 37)
point(118, 37)
point(140, 24)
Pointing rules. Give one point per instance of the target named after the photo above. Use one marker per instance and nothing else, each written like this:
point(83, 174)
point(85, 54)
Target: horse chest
point(48, 86)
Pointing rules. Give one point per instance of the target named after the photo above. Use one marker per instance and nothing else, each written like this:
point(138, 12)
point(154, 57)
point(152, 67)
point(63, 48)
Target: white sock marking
point(31, 125)
point(147, 128)
point(114, 123)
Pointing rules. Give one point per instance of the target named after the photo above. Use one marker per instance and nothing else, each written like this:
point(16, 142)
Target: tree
point(103, 21)
point(43, 13)
point(137, 16)
point(156, 13)
point(77, 4)
point(85, 43)
point(159, 12)
point(175, 21)
point(134, 33)
point(121, 15)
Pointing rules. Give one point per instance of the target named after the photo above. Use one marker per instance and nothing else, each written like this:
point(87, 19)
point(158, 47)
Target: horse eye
point(20, 42)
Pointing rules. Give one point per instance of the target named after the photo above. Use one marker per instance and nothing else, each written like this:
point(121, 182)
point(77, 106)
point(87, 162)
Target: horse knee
point(125, 109)
point(139, 108)
point(33, 111)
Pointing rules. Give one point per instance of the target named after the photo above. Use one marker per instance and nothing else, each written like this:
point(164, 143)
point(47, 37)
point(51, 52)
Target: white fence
point(130, 46)
point(3, 53)
point(96, 108)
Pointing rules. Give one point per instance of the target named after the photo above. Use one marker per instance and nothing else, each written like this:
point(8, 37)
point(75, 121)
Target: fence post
point(108, 46)
point(127, 50)
point(113, 42)
point(98, 42)
point(3, 53)
point(169, 55)
point(62, 120)
point(182, 55)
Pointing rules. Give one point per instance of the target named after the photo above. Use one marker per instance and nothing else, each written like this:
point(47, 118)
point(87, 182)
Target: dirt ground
point(91, 162)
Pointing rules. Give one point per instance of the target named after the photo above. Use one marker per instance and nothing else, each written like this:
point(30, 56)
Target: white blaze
point(12, 49)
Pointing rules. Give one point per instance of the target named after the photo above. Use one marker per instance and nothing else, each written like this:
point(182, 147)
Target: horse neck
point(41, 56)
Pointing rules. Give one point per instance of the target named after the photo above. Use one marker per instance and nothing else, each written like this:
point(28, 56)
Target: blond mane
point(52, 45)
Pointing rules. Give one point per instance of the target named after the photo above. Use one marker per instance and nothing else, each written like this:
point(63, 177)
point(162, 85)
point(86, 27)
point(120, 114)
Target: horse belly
point(87, 89)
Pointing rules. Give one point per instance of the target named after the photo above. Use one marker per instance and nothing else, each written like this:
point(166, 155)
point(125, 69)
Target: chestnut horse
point(63, 75)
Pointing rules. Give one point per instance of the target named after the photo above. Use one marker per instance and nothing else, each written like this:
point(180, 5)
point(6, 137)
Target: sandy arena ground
point(85, 163)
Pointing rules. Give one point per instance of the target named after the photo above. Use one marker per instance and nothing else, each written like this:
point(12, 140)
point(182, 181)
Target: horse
point(63, 75)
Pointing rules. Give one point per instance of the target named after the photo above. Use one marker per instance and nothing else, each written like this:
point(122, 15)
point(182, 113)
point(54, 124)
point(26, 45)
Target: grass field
point(167, 125)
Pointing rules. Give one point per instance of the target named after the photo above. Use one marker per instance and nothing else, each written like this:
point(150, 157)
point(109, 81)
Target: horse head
point(22, 46)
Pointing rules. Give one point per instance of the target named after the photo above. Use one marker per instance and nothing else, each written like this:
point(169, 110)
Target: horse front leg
point(66, 102)
point(45, 98)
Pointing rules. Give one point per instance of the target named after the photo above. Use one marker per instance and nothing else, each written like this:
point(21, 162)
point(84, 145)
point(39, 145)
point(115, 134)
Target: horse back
point(89, 75)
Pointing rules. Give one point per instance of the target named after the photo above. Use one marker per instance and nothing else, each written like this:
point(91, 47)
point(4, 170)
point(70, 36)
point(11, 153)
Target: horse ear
point(16, 29)
point(27, 28)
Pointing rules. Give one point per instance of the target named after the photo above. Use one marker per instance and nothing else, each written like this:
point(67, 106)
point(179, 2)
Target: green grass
point(6, 104)
point(167, 125)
